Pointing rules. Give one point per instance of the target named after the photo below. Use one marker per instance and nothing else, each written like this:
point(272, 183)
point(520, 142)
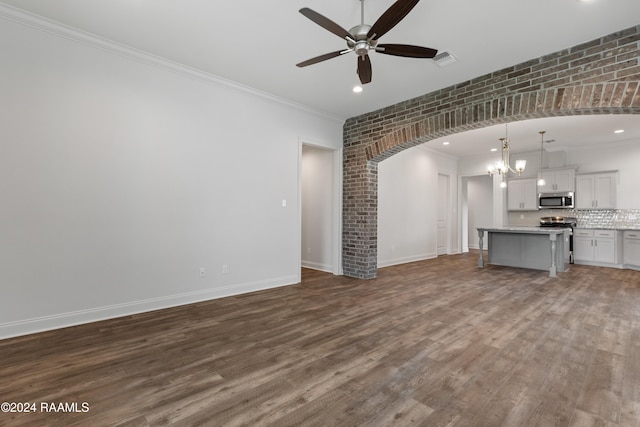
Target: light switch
point(284, 203)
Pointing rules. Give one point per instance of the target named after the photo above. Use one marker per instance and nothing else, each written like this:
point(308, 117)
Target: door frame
point(336, 208)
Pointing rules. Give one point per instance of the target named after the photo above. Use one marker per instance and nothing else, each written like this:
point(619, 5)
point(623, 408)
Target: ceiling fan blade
point(325, 23)
point(391, 17)
point(364, 69)
point(321, 58)
point(406, 50)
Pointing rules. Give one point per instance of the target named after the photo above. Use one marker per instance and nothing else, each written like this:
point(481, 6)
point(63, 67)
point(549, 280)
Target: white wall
point(480, 203)
point(120, 178)
point(407, 205)
point(317, 208)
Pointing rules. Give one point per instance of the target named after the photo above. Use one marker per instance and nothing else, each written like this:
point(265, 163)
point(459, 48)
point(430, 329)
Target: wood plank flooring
point(431, 343)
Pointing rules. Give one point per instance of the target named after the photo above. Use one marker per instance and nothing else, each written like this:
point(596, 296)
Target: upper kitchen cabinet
point(522, 195)
point(557, 180)
point(596, 190)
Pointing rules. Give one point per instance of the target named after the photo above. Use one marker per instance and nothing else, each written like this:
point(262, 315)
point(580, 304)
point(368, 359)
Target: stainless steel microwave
point(563, 200)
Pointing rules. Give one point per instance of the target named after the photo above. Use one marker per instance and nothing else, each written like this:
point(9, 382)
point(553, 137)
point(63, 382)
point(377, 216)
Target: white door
point(443, 213)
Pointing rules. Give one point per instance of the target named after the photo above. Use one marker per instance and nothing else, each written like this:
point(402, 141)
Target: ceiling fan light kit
point(364, 38)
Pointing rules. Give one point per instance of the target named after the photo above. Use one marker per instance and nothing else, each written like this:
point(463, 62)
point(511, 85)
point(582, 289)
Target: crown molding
point(59, 29)
point(428, 149)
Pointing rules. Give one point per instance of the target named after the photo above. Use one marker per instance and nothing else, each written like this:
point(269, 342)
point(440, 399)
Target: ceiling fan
point(363, 38)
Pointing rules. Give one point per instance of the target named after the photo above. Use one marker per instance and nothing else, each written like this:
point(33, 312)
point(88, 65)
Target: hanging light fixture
point(541, 181)
point(503, 166)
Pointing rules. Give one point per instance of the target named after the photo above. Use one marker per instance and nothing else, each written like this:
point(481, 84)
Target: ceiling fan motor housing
point(362, 45)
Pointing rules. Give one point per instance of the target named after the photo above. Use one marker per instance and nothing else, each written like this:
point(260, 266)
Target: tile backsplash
point(596, 218)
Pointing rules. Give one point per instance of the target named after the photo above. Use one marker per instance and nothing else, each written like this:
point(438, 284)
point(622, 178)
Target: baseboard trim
point(79, 317)
point(317, 266)
point(598, 264)
point(405, 260)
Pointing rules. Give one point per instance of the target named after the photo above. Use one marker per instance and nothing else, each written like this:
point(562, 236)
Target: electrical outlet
point(203, 272)
point(225, 269)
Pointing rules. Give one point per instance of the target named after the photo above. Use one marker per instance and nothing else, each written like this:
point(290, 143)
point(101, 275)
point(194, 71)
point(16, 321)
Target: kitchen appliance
point(561, 222)
point(564, 200)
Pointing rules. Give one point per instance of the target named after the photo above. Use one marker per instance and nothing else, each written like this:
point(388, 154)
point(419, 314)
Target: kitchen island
point(527, 247)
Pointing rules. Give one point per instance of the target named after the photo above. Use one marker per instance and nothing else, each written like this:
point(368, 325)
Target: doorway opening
point(477, 208)
point(320, 208)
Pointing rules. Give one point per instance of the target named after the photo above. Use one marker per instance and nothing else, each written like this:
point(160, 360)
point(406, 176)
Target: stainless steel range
point(561, 222)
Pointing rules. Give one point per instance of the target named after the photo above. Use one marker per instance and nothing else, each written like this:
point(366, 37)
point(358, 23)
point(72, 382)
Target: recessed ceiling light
point(357, 89)
point(619, 131)
point(446, 143)
point(494, 149)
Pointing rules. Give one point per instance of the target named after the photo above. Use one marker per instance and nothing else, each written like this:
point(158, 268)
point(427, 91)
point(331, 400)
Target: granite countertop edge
point(524, 229)
point(609, 228)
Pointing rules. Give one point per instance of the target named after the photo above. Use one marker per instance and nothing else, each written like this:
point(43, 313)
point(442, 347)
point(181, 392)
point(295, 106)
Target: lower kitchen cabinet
point(597, 247)
point(632, 249)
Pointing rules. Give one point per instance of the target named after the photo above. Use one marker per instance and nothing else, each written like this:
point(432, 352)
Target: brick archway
point(599, 77)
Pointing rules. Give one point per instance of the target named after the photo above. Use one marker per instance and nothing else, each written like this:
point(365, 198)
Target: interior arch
point(524, 91)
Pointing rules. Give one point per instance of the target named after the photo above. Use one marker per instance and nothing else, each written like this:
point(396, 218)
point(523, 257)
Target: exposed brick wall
point(598, 77)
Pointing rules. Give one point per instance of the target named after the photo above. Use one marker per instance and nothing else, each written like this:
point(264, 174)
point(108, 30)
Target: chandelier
point(503, 166)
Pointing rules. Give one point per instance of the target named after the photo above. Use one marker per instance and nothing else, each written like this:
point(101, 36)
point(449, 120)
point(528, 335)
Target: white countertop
point(524, 230)
point(610, 228)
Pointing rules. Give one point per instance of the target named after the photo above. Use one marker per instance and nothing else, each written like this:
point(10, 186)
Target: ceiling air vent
point(444, 58)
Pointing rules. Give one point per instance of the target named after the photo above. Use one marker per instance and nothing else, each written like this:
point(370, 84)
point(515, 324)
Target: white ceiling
point(257, 43)
point(561, 134)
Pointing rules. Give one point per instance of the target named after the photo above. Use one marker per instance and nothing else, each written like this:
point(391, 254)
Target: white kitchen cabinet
point(596, 247)
point(582, 248)
point(631, 249)
point(557, 180)
point(522, 195)
point(596, 190)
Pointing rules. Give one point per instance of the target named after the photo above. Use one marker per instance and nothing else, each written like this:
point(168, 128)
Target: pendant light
point(541, 181)
point(503, 166)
